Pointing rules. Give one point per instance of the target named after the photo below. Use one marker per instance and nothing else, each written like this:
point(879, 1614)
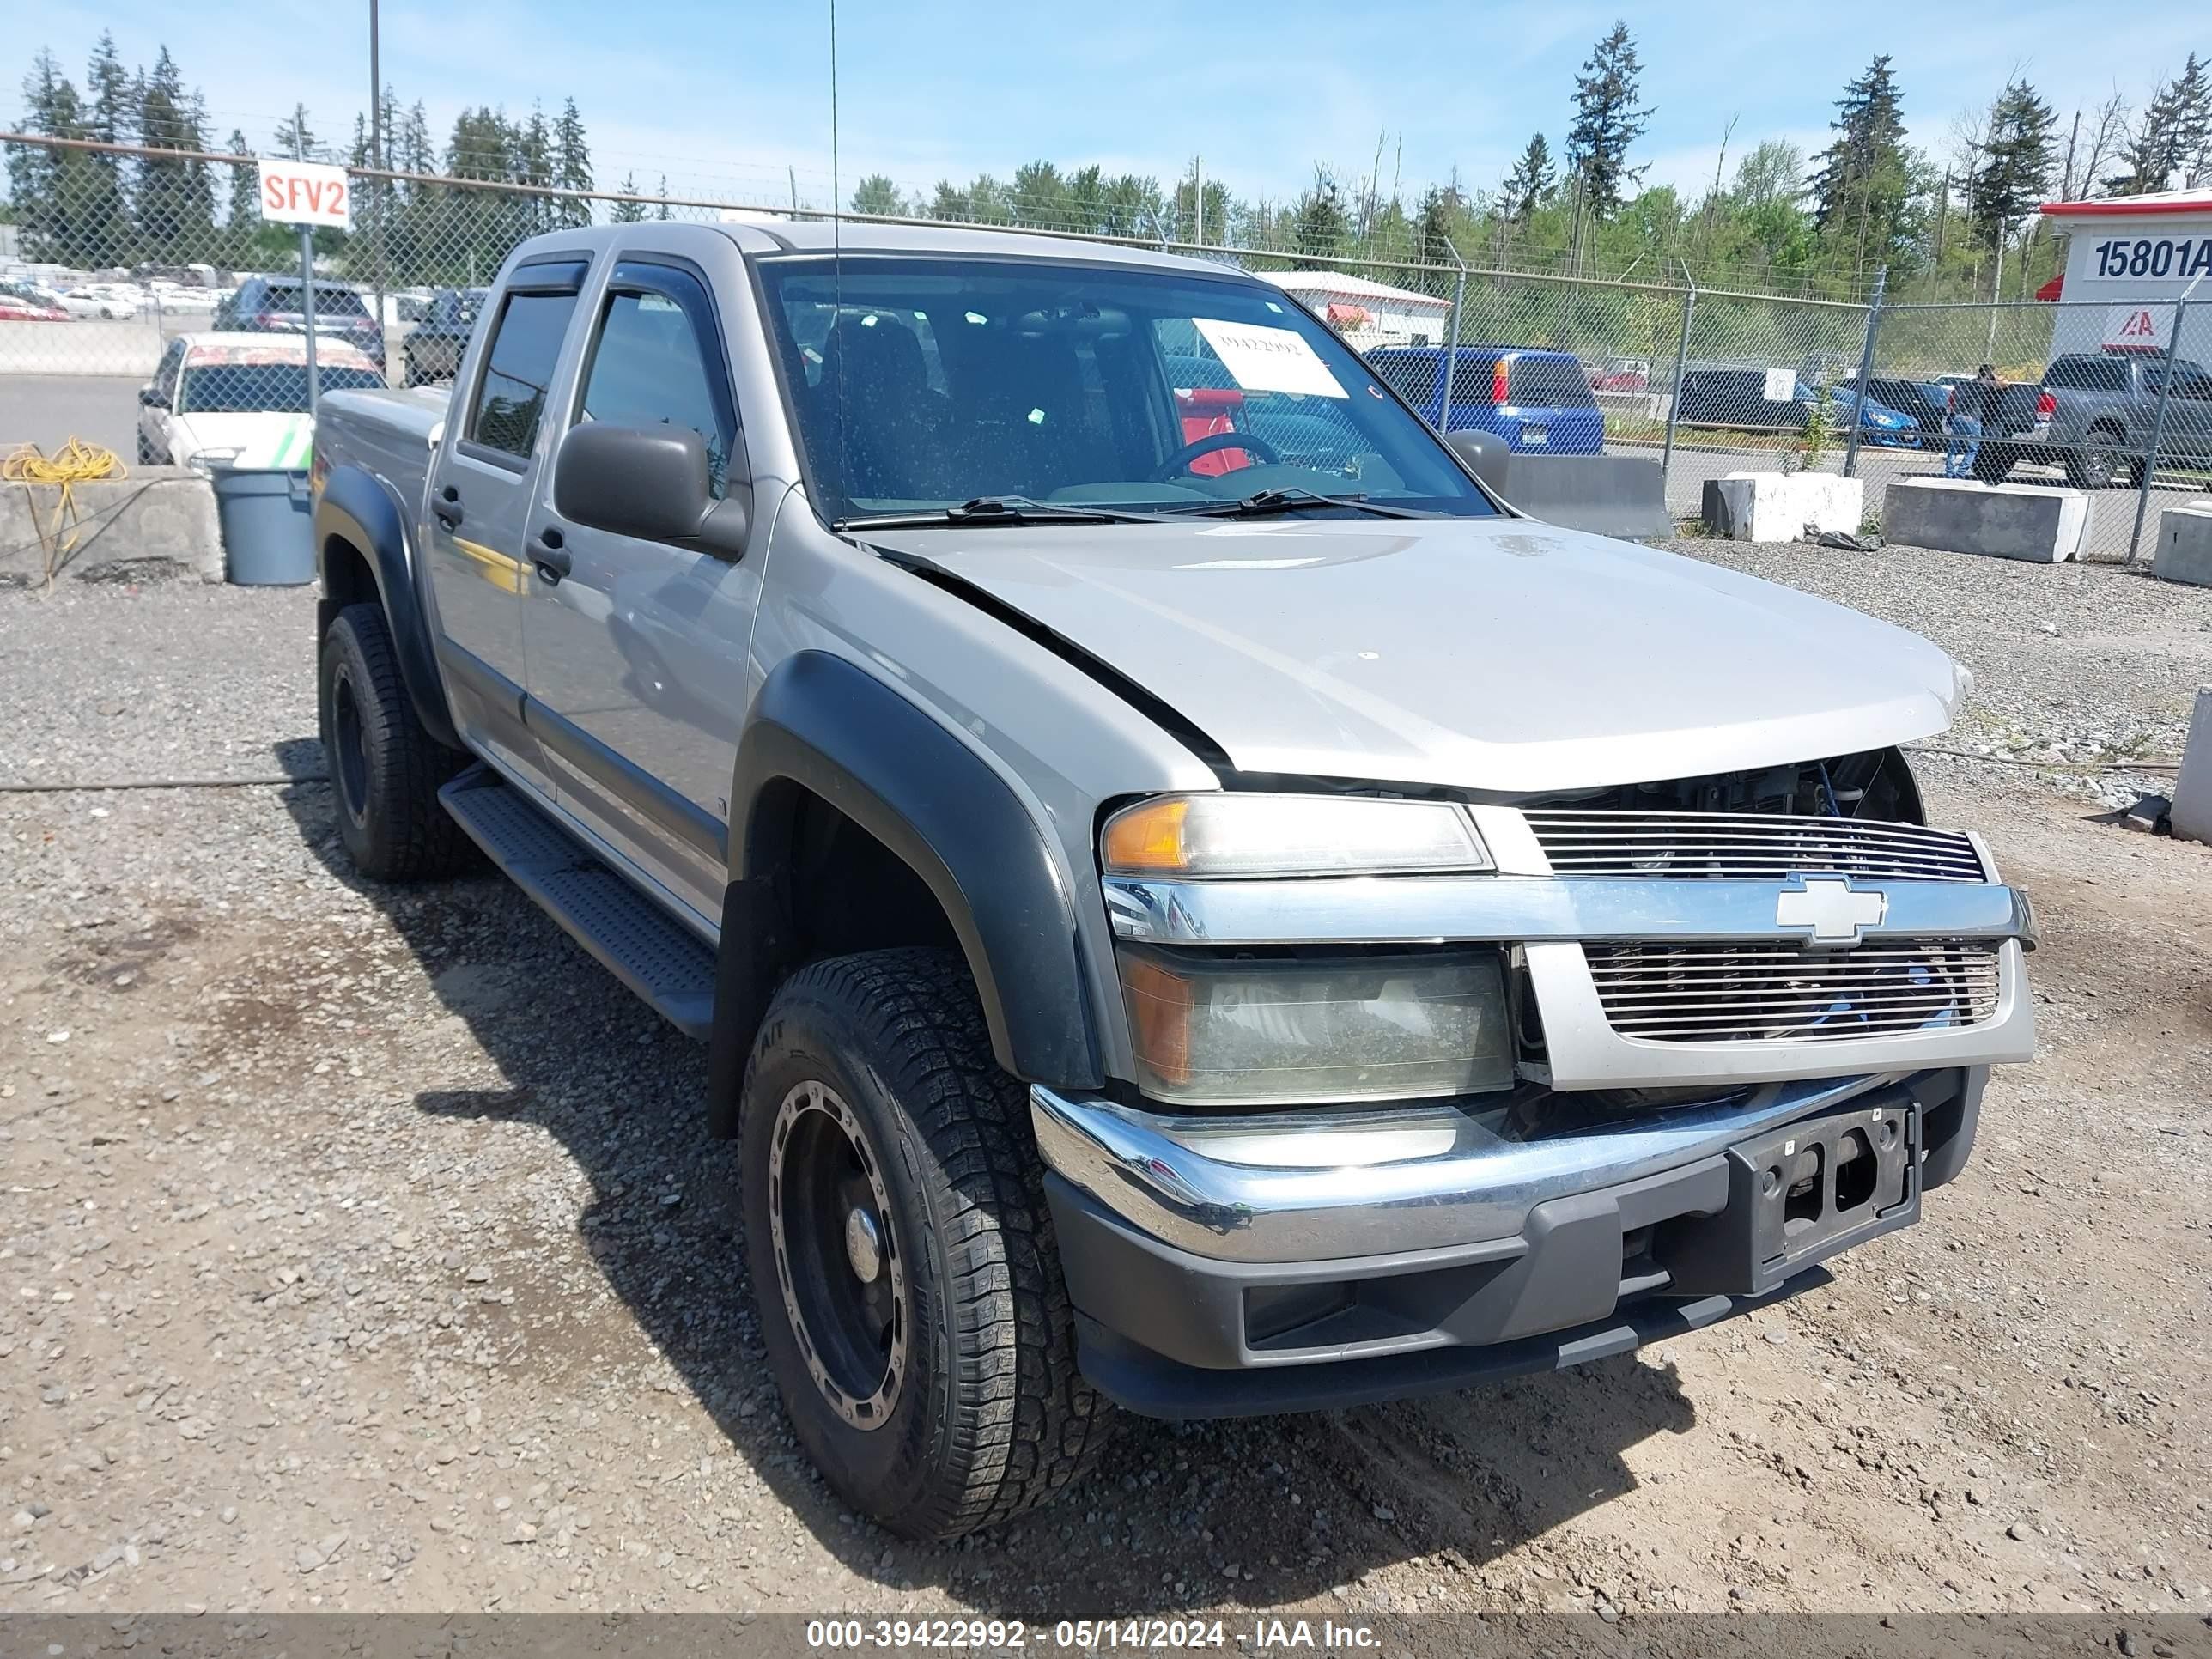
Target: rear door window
point(518, 373)
point(1413, 378)
point(1549, 383)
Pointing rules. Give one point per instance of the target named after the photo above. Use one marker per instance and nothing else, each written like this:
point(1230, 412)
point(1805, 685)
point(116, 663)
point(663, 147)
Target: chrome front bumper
point(1317, 1185)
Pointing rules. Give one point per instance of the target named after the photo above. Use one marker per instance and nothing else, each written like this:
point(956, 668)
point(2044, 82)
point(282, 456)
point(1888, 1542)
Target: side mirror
point(1485, 454)
point(651, 482)
point(152, 397)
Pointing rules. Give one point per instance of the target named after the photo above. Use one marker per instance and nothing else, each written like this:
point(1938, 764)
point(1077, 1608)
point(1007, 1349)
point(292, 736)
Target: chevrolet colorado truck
point(1175, 924)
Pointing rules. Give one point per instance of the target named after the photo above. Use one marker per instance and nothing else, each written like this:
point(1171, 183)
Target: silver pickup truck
point(1192, 903)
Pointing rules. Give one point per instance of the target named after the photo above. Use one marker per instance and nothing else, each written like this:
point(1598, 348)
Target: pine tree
point(295, 138)
point(103, 217)
point(663, 214)
point(1528, 183)
point(2192, 124)
point(1607, 121)
point(1320, 221)
point(244, 216)
point(571, 165)
point(174, 203)
point(1863, 187)
point(627, 211)
point(2017, 152)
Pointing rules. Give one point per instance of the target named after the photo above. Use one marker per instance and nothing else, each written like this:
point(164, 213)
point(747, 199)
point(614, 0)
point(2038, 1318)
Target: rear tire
point(385, 769)
point(2097, 464)
point(902, 1252)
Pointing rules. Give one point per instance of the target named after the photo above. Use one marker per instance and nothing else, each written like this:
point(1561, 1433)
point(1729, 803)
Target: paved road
point(47, 409)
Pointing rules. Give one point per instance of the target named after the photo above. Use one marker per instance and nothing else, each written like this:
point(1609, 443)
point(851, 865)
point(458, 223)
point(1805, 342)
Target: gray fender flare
point(354, 508)
point(822, 725)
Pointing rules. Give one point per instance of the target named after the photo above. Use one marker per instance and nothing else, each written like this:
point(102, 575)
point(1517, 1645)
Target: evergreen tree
point(295, 138)
point(950, 202)
point(1609, 120)
point(174, 203)
point(103, 215)
point(1439, 209)
point(663, 214)
point(1528, 183)
point(2016, 155)
point(2192, 124)
point(571, 165)
point(628, 212)
point(1864, 189)
point(1320, 221)
point(2153, 149)
point(243, 217)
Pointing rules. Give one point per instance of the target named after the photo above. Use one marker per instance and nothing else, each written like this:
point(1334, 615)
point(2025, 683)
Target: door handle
point(551, 559)
point(446, 509)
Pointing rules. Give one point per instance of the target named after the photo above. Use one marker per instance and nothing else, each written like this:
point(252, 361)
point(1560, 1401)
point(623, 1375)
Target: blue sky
point(728, 101)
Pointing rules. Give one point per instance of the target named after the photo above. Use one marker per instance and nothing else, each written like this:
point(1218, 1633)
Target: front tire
point(385, 769)
point(901, 1253)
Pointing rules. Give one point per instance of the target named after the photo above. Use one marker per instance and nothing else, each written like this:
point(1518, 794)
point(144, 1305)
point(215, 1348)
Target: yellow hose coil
point(76, 462)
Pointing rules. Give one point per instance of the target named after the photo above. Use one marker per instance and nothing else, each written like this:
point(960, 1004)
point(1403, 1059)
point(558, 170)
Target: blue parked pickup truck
point(1538, 401)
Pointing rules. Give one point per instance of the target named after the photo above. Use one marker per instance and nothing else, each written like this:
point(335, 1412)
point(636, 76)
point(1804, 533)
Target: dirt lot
point(360, 1248)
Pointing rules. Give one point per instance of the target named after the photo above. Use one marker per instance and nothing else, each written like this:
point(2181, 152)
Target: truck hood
point(1496, 654)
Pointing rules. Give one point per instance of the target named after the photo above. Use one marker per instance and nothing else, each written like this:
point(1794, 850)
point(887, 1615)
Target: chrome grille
point(1748, 845)
point(1779, 992)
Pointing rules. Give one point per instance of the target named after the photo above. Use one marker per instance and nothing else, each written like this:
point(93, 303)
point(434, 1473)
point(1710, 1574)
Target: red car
point(22, 309)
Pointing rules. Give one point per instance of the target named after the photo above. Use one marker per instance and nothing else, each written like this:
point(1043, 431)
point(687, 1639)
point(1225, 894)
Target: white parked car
point(101, 299)
point(220, 399)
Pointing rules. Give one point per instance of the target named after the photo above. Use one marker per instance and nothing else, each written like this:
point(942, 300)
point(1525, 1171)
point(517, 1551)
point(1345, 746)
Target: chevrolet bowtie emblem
point(1830, 909)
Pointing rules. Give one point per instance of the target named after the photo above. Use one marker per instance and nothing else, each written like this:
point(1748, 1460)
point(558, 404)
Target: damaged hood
point(1499, 654)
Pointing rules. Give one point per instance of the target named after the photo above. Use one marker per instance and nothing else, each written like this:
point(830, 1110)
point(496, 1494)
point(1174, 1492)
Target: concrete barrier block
point(1781, 507)
point(2040, 523)
point(2192, 790)
point(1621, 495)
point(158, 521)
point(2183, 553)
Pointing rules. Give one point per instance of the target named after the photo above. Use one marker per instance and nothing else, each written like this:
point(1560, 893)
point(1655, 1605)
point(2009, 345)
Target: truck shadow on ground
point(1262, 1512)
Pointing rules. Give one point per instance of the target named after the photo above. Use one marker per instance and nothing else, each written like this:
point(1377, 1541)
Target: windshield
point(924, 383)
point(261, 388)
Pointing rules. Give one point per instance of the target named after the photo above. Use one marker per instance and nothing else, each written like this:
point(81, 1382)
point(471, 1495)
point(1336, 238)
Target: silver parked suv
point(1192, 903)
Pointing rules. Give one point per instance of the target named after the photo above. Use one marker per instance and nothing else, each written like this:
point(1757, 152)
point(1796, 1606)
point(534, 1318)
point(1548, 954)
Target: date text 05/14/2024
point(1087, 1635)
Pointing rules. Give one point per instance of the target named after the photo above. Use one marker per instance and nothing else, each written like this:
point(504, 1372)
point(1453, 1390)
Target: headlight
point(1214, 1031)
point(1241, 835)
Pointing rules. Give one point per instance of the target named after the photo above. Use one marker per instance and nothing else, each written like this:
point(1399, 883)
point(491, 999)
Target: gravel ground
point(2076, 666)
point(360, 1250)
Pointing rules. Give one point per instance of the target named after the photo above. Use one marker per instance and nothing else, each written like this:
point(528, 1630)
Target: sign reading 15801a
point(2163, 256)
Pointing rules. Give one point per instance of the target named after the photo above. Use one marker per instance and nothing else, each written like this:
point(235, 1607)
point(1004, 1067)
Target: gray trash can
point(268, 529)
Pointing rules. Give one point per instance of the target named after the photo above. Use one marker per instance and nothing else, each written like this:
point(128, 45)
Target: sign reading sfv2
point(306, 193)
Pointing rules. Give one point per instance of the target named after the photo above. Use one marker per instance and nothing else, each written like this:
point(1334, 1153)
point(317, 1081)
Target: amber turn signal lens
point(1148, 840)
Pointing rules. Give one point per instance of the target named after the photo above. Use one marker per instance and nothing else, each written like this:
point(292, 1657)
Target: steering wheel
point(1259, 448)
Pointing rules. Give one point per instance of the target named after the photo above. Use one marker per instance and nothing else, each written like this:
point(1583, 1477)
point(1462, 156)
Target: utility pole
point(1197, 197)
point(376, 186)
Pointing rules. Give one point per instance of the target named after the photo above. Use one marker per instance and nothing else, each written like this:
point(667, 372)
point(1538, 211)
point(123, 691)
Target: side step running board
point(630, 935)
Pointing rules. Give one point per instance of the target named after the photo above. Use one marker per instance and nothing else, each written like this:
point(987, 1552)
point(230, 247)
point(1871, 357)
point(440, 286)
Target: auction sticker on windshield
point(1263, 359)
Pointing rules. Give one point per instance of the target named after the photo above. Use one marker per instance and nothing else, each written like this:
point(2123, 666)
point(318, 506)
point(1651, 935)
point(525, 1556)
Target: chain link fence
point(139, 288)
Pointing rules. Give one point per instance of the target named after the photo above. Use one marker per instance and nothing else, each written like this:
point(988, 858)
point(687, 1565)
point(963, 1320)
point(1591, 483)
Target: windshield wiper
point(1269, 502)
point(1000, 509)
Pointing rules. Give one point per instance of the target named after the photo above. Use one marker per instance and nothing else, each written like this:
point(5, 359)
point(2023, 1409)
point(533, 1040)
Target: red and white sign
point(306, 193)
point(2138, 327)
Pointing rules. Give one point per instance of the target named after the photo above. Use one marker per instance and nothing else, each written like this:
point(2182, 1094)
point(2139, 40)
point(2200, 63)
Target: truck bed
point(389, 434)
